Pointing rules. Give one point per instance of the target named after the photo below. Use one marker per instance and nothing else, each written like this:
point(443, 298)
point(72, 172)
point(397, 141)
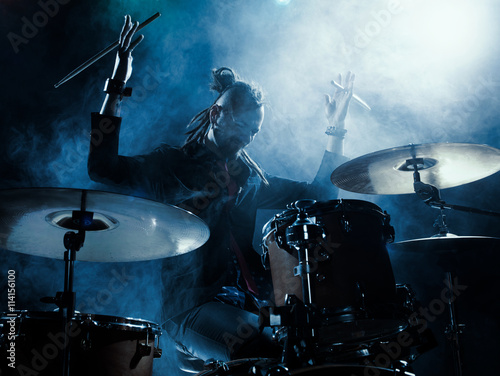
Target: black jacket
point(194, 179)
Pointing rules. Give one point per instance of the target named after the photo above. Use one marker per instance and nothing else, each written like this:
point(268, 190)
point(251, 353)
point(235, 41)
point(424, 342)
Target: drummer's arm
point(336, 112)
point(104, 163)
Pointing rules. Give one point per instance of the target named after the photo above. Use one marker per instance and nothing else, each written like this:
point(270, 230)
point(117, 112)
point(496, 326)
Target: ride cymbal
point(443, 165)
point(118, 228)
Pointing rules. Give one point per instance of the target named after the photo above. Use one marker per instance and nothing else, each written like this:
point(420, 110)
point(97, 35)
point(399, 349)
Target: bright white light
point(283, 2)
point(449, 29)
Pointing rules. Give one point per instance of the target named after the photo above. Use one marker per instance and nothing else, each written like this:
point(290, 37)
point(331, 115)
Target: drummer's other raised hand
point(338, 104)
point(123, 62)
point(336, 108)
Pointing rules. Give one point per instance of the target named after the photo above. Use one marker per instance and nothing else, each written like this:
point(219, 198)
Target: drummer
point(212, 295)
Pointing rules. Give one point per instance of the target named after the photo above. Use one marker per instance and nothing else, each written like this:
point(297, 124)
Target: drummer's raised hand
point(337, 105)
point(336, 112)
point(123, 63)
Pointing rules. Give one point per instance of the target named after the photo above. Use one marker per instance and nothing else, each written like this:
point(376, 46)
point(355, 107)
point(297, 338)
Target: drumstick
point(103, 52)
point(354, 96)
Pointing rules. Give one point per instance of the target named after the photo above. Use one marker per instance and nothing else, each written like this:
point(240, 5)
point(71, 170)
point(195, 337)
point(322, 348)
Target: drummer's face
point(236, 127)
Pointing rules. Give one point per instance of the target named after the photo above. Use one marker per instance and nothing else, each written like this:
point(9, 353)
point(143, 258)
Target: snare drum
point(99, 345)
point(352, 281)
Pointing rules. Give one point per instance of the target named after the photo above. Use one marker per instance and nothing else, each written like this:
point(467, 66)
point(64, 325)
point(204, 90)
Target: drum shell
point(99, 345)
point(349, 268)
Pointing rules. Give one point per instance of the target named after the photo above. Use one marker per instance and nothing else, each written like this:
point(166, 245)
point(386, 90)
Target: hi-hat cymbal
point(443, 165)
point(448, 243)
point(124, 228)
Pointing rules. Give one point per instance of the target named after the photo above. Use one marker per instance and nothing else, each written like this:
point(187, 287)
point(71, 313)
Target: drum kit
point(337, 311)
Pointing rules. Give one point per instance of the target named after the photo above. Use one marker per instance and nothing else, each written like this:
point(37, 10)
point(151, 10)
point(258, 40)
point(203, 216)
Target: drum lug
point(157, 353)
point(301, 269)
point(143, 349)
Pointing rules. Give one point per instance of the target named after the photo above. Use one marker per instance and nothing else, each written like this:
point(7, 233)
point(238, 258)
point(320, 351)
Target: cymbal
point(443, 165)
point(448, 243)
point(123, 228)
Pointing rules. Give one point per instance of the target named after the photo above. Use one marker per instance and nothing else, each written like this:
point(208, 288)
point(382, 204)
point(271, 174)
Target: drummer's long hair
point(223, 79)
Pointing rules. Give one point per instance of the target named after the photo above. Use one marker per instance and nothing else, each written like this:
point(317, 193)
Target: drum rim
point(296, 371)
point(347, 367)
point(287, 214)
point(351, 205)
point(97, 320)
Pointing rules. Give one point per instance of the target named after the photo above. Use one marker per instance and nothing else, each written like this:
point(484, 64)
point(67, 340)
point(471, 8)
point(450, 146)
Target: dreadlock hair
point(223, 79)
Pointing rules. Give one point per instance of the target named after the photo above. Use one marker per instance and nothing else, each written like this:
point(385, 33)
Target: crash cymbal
point(123, 228)
point(443, 165)
point(448, 243)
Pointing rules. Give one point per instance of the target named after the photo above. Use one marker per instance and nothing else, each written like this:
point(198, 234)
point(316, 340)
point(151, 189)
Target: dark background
point(429, 70)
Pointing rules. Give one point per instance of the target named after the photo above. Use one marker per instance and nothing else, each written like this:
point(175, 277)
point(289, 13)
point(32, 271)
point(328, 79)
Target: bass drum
point(271, 367)
point(100, 345)
point(352, 282)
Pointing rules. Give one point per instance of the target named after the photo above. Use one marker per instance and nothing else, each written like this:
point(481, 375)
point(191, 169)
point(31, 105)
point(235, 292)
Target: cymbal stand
point(66, 300)
point(453, 330)
point(441, 223)
point(430, 195)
